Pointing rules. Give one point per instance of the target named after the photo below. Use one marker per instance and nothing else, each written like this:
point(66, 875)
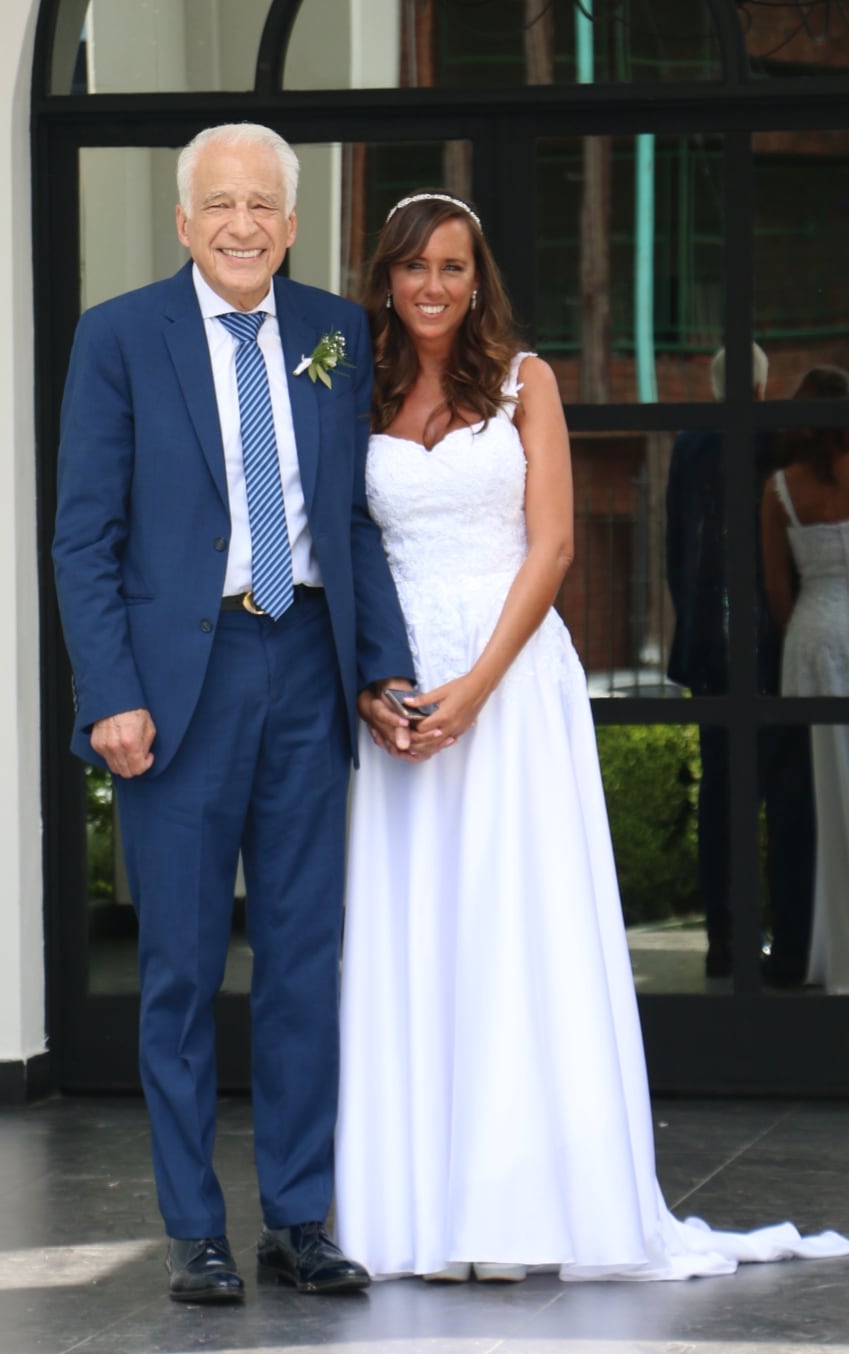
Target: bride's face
point(433, 292)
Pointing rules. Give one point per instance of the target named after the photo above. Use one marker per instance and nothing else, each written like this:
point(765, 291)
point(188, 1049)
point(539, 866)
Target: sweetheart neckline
point(411, 441)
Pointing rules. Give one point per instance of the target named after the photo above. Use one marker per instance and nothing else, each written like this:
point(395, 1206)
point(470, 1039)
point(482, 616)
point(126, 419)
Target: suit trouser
point(263, 767)
point(786, 789)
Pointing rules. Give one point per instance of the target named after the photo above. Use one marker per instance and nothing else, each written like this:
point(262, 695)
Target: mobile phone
point(395, 700)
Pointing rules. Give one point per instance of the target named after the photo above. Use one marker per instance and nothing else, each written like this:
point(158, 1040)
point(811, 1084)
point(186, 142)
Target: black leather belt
point(243, 601)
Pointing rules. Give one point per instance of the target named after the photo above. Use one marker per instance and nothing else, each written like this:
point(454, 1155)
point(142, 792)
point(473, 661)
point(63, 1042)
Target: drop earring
point(474, 301)
point(389, 300)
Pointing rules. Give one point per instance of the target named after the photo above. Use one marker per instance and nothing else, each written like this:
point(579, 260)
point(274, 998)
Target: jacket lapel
point(298, 339)
point(185, 337)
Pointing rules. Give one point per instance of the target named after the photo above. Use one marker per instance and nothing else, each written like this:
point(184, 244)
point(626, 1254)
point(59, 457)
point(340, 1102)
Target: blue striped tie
point(271, 556)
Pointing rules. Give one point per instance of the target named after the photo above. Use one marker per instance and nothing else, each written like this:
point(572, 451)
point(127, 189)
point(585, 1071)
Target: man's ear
point(292, 229)
point(182, 222)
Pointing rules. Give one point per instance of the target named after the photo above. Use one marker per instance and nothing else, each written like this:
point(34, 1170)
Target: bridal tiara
point(436, 197)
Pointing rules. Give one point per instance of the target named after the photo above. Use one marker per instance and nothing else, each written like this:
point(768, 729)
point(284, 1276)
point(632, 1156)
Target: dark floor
point(81, 1250)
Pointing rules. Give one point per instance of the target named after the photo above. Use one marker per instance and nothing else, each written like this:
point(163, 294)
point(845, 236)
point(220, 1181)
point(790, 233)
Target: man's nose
point(241, 220)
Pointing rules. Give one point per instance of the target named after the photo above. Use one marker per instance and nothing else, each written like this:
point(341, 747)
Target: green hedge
point(651, 775)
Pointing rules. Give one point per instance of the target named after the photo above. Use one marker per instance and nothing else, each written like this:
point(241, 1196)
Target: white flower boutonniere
point(327, 354)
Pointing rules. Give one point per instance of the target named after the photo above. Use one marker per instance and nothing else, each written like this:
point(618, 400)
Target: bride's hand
point(391, 732)
point(460, 702)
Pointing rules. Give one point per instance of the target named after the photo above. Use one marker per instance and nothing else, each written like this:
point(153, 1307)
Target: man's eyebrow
point(273, 199)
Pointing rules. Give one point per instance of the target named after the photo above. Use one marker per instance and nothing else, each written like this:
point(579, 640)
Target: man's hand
point(124, 742)
point(391, 731)
point(387, 729)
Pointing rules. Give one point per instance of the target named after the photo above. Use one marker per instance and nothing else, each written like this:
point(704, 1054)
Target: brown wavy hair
point(818, 447)
point(484, 344)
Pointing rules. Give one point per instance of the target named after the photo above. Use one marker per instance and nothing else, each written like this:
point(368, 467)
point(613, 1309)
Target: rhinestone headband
point(436, 197)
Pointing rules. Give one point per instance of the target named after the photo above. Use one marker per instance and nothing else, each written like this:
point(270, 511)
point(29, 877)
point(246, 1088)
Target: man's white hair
point(760, 367)
point(234, 134)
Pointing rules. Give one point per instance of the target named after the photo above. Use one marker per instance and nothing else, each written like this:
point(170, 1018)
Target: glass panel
point(801, 205)
point(798, 38)
point(133, 46)
point(128, 238)
point(345, 191)
point(127, 198)
point(804, 550)
point(829, 951)
point(127, 232)
point(615, 598)
point(696, 544)
point(651, 781)
point(794, 830)
point(629, 279)
point(499, 43)
point(112, 925)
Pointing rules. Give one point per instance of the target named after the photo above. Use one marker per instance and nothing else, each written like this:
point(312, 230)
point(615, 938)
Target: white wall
point(22, 951)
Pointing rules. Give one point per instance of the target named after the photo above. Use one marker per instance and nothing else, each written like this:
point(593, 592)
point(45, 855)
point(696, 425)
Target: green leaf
point(323, 376)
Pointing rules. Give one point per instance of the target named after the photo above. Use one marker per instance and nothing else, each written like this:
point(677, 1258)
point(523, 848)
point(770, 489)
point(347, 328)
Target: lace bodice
point(453, 526)
point(816, 645)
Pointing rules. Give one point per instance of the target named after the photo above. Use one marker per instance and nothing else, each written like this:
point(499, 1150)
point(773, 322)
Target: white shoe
point(496, 1273)
point(458, 1271)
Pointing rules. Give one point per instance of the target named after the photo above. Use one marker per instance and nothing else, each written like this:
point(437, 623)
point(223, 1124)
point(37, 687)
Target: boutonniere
point(327, 354)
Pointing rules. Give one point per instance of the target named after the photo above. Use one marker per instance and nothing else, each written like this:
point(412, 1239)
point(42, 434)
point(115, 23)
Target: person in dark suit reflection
point(696, 569)
point(226, 600)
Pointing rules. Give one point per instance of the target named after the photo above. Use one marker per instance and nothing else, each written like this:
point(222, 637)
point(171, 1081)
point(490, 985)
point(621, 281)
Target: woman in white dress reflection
point(494, 1111)
point(805, 527)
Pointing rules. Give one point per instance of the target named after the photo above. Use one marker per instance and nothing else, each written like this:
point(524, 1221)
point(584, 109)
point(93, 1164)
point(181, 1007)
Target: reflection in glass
point(614, 598)
point(128, 193)
point(133, 46)
point(829, 953)
point(795, 38)
point(112, 925)
point(651, 777)
point(788, 842)
point(499, 43)
point(806, 566)
point(619, 320)
point(127, 232)
point(801, 211)
point(345, 192)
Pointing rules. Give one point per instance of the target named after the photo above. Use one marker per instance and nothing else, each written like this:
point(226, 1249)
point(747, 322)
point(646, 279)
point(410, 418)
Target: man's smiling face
point(237, 227)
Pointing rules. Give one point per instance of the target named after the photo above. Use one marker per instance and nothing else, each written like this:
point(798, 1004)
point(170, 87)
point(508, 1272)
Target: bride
point(494, 1110)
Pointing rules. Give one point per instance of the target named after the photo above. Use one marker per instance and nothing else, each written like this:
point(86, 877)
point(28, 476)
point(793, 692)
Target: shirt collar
point(212, 305)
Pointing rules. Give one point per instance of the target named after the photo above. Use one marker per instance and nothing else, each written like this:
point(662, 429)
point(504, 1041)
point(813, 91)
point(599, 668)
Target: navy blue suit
point(256, 720)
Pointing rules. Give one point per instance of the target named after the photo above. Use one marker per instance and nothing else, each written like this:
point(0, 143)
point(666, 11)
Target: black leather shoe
point(202, 1269)
point(306, 1257)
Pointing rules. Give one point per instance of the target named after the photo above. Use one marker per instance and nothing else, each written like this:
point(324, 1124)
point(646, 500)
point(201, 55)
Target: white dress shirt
point(222, 352)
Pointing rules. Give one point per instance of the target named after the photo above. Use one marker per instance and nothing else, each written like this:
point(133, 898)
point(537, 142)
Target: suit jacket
point(697, 564)
point(143, 521)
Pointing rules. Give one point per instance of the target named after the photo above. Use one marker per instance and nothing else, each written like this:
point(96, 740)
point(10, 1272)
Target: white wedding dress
point(494, 1104)
point(815, 662)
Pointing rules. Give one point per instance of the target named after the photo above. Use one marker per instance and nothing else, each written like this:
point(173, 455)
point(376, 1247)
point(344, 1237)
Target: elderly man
point(225, 599)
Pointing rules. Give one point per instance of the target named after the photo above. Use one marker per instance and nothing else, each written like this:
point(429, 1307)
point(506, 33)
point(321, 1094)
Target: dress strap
point(784, 496)
point(512, 385)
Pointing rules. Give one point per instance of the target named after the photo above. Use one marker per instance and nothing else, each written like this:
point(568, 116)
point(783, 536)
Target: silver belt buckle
point(250, 605)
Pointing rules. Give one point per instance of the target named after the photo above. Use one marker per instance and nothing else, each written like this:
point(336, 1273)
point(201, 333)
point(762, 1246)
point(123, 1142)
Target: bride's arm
point(548, 513)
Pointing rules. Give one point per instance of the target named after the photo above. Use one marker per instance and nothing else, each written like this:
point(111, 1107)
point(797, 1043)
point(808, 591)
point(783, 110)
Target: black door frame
point(747, 1042)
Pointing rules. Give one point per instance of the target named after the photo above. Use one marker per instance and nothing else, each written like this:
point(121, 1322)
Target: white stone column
point(22, 1023)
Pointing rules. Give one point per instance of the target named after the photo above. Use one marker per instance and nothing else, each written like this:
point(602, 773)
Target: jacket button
point(219, 543)
point(206, 626)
